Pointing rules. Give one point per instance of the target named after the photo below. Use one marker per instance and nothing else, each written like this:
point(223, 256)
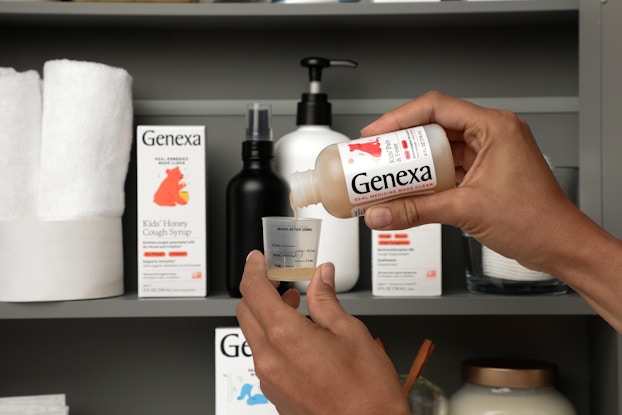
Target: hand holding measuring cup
point(290, 247)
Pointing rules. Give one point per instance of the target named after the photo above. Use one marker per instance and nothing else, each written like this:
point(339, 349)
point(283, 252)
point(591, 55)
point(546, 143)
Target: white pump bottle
point(297, 151)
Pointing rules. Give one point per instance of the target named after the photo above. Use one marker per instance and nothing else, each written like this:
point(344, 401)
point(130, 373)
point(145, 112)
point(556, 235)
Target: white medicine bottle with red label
point(351, 176)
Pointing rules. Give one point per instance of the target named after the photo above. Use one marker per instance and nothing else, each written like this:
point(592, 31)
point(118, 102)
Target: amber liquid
point(291, 274)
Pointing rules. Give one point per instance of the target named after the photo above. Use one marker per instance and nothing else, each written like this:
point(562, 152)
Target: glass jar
point(490, 272)
point(509, 387)
point(426, 398)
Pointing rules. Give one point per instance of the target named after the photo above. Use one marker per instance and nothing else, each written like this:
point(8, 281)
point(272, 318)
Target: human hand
point(325, 364)
point(508, 198)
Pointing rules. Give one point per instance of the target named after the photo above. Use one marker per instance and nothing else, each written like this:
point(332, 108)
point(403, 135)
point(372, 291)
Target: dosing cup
point(290, 247)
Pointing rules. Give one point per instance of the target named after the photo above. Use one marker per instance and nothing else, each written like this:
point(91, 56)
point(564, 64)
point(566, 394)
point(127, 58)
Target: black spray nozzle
point(258, 122)
point(258, 144)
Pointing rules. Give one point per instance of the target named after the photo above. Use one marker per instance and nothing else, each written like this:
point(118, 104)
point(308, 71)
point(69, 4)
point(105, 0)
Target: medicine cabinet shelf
point(190, 59)
point(357, 303)
point(454, 12)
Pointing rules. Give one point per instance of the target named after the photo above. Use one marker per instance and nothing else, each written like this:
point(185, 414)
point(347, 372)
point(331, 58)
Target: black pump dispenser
point(314, 109)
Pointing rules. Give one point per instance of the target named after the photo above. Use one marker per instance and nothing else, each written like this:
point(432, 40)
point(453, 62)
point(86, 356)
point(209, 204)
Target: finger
point(253, 330)
point(433, 107)
point(247, 321)
point(415, 211)
point(256, 331)
point(291, 297)
point(322, 303)
point(257, 291)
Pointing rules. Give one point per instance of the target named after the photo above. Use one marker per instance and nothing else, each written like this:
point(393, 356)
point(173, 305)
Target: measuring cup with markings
point(290, 247)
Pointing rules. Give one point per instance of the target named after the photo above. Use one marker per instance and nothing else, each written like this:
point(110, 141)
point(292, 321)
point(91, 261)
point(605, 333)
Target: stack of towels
point(65, 144)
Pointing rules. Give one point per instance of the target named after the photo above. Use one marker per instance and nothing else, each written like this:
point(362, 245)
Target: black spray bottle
point(254, 192)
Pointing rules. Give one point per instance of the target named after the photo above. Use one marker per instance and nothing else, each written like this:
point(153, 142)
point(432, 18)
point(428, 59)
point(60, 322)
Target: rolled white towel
point(20, 140)
point(86, 140)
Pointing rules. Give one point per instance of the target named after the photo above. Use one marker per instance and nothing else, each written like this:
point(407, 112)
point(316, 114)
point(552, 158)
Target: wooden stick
point(415, 370)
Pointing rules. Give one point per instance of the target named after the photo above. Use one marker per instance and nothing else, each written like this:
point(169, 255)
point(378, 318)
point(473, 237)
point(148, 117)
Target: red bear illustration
point(371, 148)
point(168, 194)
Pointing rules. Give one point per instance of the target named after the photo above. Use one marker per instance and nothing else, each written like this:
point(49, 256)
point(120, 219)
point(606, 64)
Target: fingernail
point(379, 217)
point(249, 255)
point(327, 275)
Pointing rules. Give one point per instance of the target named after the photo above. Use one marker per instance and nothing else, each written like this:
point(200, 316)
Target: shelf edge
point(153, 107)
point(356, 303)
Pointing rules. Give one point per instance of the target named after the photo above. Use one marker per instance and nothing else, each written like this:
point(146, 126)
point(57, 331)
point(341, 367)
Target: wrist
point(590, 262)
point(580, 250)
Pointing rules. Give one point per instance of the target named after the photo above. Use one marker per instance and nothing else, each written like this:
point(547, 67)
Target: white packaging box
point(34, 404)
point(171, 199)
point(237, 387)
point(407, 262)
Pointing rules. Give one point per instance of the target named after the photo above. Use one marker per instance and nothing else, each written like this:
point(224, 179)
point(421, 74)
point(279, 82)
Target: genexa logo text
point(231, 346)
point(150, 138)
point(361, 185)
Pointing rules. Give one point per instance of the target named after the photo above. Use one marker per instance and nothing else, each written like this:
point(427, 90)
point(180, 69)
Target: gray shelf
point(357, 303)
point(156, 355)
point(271, 15)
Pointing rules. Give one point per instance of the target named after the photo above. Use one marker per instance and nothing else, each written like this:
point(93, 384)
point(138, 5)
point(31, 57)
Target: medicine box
point(407, 262)
point(237, 386)
point(171, 199)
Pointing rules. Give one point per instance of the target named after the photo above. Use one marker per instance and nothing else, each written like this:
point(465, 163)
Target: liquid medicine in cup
point(353, 175)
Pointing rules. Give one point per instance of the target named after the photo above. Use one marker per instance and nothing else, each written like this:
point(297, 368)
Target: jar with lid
point(509, 387)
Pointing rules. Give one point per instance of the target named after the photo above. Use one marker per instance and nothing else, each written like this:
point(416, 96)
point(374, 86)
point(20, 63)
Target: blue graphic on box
point(256, 399)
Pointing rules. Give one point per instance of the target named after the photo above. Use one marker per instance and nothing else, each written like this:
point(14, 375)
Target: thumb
point(322, 303)
point(413, 211)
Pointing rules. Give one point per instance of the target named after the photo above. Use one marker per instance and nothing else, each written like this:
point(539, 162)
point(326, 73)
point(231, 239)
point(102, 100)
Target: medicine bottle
point(351, 176)
point(509, 387)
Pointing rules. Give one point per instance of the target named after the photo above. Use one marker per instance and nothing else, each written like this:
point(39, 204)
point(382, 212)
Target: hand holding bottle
point(508, 199)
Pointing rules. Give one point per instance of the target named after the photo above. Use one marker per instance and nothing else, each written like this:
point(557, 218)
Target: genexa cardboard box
point(237, 386)
point(171, 193)
point(407, 262)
